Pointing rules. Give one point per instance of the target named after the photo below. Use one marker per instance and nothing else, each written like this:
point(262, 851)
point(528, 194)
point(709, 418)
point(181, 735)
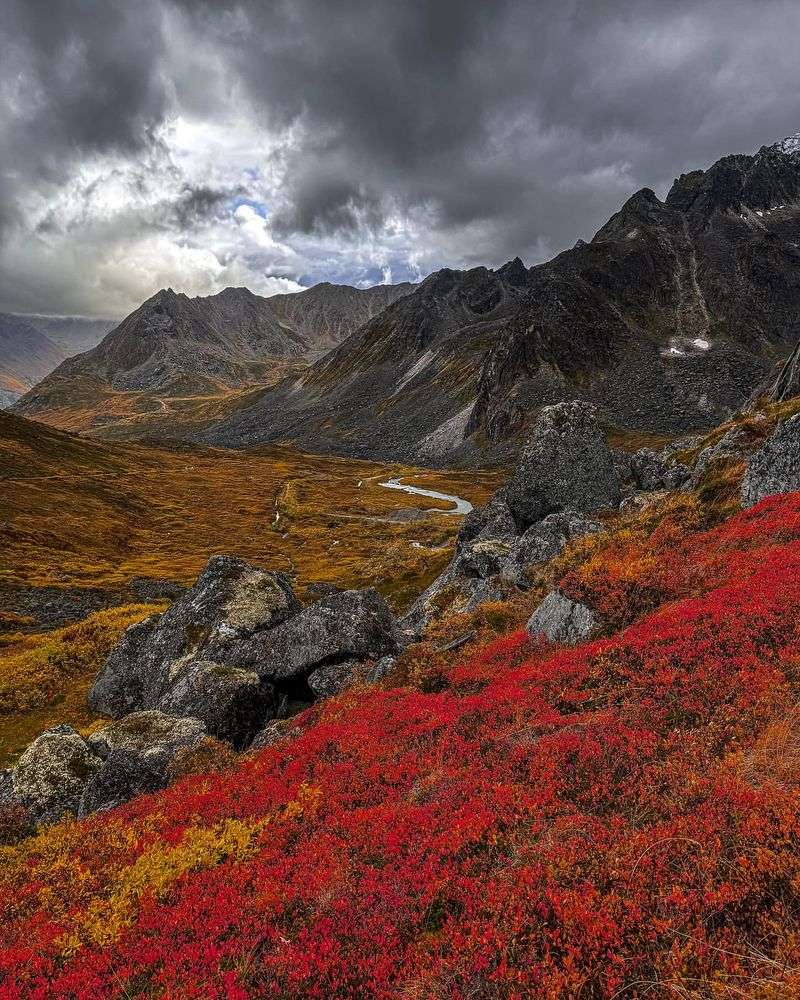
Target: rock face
point(238, 649)
point(567, 463)
point(775, 468)
point(560, 619)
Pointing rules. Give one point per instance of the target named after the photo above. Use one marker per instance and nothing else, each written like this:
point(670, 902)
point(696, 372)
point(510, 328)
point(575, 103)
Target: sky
point(278, 143)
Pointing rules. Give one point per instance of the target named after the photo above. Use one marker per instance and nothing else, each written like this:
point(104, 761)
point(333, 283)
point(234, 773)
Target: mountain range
point(666, 320)
point(179, 346)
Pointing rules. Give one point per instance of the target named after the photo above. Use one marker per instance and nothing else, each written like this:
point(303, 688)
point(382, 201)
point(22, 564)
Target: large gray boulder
point(560, 619)
point(355, 624)
point(231, 702)
point(566, 464)
point(136, 753)
point(774, 468)
point(51, 775)
point(231, 601)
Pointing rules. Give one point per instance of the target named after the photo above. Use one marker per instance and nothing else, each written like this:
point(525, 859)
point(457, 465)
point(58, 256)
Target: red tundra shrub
point(594, 822)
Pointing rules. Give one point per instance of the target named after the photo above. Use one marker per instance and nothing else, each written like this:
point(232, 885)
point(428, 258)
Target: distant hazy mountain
point(73, 334)
point(26, 356)
point(667, 320)
point(327, 314)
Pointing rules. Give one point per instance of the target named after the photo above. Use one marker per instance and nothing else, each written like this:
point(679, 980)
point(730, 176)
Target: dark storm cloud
point(526, 119)
point(516, 125)
point(77, 77)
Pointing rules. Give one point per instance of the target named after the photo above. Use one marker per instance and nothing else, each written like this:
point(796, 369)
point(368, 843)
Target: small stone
point(560, 619)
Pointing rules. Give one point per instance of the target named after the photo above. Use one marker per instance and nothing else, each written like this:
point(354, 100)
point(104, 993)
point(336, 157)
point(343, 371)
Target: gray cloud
point(408, 135)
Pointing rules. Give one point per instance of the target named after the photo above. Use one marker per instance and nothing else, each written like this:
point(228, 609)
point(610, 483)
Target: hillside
point(26, 356)
point(73, 334)
point(80, 517)
point(665, 320)
point(518, 820)
point(326, 315)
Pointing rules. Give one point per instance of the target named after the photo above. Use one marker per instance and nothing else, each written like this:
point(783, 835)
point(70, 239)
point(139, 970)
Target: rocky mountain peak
point(789, 145)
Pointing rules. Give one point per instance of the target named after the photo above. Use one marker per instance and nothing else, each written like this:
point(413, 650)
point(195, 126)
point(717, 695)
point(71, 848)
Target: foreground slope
point(665, 320)
point(622, 818)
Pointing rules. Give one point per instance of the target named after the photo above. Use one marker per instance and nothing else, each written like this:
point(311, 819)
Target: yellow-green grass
point(44, 679)
point(76, 513)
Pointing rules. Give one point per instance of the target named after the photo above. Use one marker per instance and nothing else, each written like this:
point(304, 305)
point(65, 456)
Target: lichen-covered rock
point(652, 471)
point(566, 464)
point(544, 541)
point(560, 619)
point(51, 775)
point(332, 678)
point(230, 601)
point(231, 702)
point(774, 468)
point(135, 755)
point(355, 624)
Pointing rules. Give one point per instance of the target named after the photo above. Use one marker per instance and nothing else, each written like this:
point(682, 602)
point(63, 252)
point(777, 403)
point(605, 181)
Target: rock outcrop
point(231, 600)
point(567, 473)
point(64, 774)
point(238, 650)
point(774, 468)
point(567, 464)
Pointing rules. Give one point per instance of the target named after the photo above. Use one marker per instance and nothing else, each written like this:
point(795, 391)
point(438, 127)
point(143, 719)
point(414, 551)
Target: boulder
point(136, 753)
point(230, 601)
point(560, 619)
point(544, 541)
point(52, 774)
point(774, 468)
point(354, 624)
point(232, 703)
point(332, 678)
point(566, 464)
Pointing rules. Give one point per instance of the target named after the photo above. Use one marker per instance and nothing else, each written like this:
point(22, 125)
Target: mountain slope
point(196, 351)
point(73, 334)
point(26, 355)
point(667, 320)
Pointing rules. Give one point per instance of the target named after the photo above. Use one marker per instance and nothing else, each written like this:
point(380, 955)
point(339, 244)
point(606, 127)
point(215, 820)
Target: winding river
point(461, 506)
